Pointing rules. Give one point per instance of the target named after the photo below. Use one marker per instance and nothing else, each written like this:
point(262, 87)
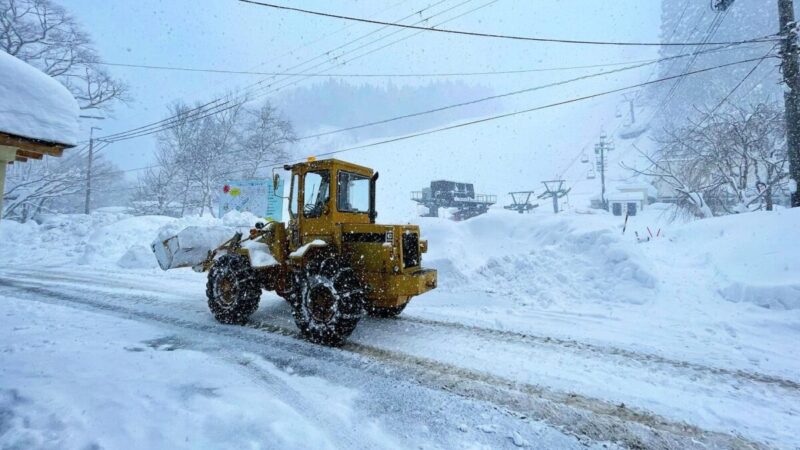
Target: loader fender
point(258, 253)
point(300, 253)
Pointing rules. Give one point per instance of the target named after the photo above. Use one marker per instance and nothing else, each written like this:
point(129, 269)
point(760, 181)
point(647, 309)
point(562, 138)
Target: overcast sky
point(229, 35)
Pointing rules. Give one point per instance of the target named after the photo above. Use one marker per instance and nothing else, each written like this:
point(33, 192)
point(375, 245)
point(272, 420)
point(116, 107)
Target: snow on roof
point(638, 185)
point(624, 196)
point(34, 105)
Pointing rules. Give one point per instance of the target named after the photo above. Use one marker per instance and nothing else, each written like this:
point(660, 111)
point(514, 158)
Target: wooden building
point(38, 115)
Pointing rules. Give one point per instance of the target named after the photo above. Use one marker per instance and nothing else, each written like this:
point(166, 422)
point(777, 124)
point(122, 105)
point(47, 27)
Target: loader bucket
point(190, 247)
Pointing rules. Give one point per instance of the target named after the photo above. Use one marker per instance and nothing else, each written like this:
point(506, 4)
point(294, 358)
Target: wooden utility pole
point(791, 76)
point(89, 171)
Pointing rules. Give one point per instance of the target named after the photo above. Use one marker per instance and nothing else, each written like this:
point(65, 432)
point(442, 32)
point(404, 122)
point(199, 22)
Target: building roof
point(35, 107)
point(624, 196)
point(638, 185)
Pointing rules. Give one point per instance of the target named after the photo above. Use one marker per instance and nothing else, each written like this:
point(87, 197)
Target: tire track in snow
point(513, 336)
point(492, 334)
point(583, 417)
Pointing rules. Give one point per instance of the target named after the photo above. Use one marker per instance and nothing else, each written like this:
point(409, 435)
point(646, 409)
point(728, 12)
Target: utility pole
point(89, 170)
point(791, 76)
point(554, 189)
point(600, 150)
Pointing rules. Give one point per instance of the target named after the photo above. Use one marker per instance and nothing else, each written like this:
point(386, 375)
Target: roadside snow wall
point(755, 257)
point(538, 259)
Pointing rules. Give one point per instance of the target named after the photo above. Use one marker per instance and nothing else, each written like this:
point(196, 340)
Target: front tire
point(327, 300)
point(232, 289)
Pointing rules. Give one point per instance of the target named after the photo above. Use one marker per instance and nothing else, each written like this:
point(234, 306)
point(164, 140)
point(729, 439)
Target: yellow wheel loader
point(332, 263)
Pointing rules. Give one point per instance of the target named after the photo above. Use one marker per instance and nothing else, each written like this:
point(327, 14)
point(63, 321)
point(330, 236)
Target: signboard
point(255, 196)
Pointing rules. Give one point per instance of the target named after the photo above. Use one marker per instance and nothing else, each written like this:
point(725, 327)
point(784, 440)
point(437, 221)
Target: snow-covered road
point(545, 332)
point(396, 383)
point(88, 368)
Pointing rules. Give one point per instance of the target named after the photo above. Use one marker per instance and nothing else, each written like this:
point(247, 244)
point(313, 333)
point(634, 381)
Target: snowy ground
point(546, 332)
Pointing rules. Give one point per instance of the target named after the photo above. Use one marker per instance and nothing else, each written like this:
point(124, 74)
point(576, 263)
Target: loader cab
point(327, 193)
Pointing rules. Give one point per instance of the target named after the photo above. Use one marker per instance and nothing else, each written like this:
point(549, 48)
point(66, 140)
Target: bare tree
point(210, 157)
point(44, 35)
point(30, 187)
point(730, 161)
point(263, 137)
point(157, 193)
point(54, 184)
point(682, 176)
point(197, 154)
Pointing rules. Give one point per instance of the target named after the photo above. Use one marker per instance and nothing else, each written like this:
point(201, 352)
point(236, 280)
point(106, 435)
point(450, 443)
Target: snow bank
point(35, 105)
point(539, 259)
point(109, 243)
point(517, 261)
point(754, 257)
point(104, 238)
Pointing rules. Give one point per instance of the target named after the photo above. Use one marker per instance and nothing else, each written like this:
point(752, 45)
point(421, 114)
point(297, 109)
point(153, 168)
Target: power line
point(153, 131)
point(200, 110)
point(278, 88)
point(710, 32)
point(377, 75)
point(281, 56)
point(200, 114)
point(193, 118)
point(498, 36)
point(731, 92)
point(498, 96)
point(497, 117)
point(652, 74)
point(538, 108)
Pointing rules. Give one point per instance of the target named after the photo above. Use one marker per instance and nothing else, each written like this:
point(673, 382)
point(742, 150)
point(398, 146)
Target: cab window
point(352, 192)
point(293, 195)
point(316, 187)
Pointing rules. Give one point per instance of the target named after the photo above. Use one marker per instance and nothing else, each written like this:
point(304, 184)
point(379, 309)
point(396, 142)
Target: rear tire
point(385, 312)
point(232, 289)
point(327, 300)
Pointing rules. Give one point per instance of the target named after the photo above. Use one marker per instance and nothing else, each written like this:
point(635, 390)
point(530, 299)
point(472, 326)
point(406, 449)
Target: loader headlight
point(390, 236)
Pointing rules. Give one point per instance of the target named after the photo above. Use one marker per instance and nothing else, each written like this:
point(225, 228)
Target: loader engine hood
point(398, 247)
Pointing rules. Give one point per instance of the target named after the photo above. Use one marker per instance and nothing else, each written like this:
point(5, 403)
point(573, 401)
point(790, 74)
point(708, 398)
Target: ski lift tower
point(554, 189)
point(455, 195)
point(520, 205)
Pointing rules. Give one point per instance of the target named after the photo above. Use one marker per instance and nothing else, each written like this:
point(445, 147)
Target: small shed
point(38, 115)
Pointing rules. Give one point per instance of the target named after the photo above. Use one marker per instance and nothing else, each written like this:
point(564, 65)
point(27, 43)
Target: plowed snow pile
point(539, 259)
point(104, 239)
point(753, 257)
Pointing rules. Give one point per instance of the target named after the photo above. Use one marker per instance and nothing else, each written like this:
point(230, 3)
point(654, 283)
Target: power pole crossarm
point(791, 76)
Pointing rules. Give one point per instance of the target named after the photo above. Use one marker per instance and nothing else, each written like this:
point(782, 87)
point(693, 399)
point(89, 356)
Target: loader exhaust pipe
point(373, 214)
